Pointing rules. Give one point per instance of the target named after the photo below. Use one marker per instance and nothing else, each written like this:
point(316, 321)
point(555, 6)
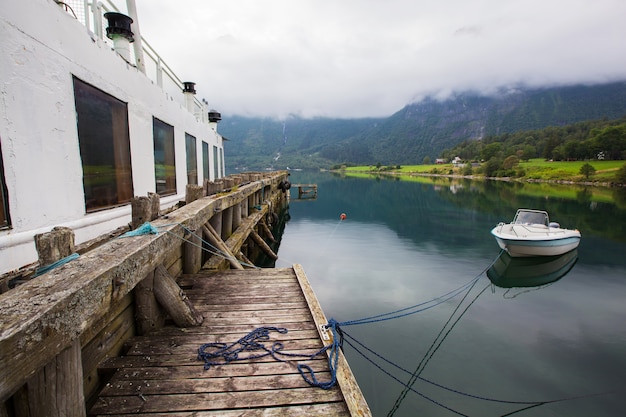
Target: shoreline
point(506, 179)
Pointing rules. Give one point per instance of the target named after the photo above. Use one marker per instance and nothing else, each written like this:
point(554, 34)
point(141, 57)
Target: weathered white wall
point(41, 47)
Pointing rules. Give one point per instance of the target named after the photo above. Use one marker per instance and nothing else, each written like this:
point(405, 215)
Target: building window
point(205, 161)
point(5, 219)
point(104, 147)
point(164, 159)
point(222, 167)
point(192, 159)
point(215, 164)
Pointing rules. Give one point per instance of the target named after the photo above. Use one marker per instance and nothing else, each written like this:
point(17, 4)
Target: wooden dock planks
point(160, 372)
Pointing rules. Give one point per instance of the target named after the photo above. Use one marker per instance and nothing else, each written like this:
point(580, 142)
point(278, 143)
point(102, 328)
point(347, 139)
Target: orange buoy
point(343, 216)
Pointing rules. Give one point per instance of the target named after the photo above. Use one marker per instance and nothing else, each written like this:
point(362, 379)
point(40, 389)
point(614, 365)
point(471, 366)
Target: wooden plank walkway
point(161, 373)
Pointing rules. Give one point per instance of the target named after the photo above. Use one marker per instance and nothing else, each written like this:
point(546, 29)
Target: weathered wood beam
point(56, 390)
point(54, 245)
point(192, 253)
point(267, 231)
point(264, 246)
point(238, 238)
point(174, 300)
point(211, 235)
point(193, 192)
point(245, 259)
point(148, 314)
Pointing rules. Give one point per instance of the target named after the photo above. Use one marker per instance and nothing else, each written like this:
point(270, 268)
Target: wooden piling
point(264, 246)
point(141, 211)
point(227, 223)
point(173, 300)
point(148, 314)
point(193, 192)
point(192, 253)
point(57, 389)
point(211, 235)
point(54, 245)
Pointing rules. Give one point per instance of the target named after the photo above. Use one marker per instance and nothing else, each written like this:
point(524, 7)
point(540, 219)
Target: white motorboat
point(532, 234)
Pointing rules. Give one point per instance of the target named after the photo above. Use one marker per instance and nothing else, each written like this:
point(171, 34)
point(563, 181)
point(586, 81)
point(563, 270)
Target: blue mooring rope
point(250, 342)
point(222, 353)
point(58, 263)
point(144, 229)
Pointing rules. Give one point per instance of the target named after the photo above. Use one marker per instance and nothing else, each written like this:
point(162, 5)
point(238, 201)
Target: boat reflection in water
point(509, 272)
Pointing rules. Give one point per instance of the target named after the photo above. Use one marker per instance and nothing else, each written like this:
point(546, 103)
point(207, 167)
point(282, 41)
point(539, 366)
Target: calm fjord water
point(537, 337)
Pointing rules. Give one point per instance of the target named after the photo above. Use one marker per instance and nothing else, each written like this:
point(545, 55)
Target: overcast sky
point(362, 58)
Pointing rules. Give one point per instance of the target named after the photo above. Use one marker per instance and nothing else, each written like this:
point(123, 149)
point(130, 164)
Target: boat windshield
point(531, 217)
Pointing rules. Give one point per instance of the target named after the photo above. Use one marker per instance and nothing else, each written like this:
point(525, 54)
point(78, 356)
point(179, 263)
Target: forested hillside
point(590, 140)
point(418, 131)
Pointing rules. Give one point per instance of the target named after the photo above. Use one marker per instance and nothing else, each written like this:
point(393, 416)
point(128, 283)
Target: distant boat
point(532, 234)
point(509, 272)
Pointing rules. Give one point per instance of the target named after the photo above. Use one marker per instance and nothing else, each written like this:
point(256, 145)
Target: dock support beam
point(56, 390)
point(192, 253)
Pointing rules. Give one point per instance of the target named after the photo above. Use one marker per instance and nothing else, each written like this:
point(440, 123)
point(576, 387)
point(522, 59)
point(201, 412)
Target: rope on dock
point(219, 353)
point(148, 228)
point(56, 264)
point(144, 229)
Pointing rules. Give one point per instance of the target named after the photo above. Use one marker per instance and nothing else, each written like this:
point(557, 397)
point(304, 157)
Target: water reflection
point(405, 242)
point(509, 272)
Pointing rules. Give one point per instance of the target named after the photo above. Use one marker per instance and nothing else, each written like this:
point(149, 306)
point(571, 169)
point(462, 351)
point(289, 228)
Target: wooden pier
point(160, 373)
point(306, 191)
point(116, 329)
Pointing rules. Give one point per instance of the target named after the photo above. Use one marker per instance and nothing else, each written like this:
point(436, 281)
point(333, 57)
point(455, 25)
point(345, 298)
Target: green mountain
point(417, 131)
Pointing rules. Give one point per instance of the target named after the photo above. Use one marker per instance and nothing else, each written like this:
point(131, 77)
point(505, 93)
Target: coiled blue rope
point(251, 347)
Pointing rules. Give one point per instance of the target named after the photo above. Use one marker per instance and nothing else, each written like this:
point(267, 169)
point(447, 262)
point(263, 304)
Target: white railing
point(91, 14)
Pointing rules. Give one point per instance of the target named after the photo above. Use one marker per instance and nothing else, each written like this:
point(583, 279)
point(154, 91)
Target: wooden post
point(193, 192)
point(141, 211)
point(264, 246)
point(244, 208)
point(267, 231)
point(245, 259)
point(148, 315)
point(192, 253)
point(236, 215)
point(216, 222)
point(56, 390)
point(251, 203)
point(173, 299)
point(155, 202)
point(227, 223)
point(54, 245)
point(211, 235)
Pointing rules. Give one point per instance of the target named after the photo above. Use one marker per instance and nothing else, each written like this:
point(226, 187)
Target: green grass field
point(537, 169)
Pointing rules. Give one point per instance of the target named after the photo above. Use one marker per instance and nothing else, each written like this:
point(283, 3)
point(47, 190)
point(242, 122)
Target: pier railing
point(91, 14)
point(57, 328)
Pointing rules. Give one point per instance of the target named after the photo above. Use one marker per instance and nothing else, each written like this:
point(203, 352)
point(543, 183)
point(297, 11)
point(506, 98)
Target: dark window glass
point(104, 147)
point(164, 160)
point(5, 220)
point(192, 159)
point(215, 164)
point(222, 170)
point(205, 161)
